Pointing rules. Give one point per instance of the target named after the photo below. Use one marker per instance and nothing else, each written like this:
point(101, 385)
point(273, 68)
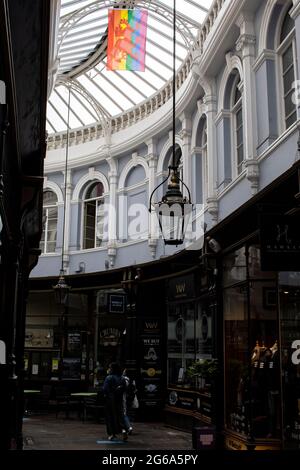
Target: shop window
point(287, 53)
point(238, 126)
point(251, 344)
point(48, 240)
point(234, 267)
point(93, 216)
point(181, 341)
point(289, 289)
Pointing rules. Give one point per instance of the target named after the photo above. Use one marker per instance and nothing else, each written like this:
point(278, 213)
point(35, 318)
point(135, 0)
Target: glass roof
point(82, 42)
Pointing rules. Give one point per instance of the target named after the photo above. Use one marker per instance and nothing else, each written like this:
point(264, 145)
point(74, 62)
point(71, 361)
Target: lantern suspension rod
point(65, 184)
point(174, 84)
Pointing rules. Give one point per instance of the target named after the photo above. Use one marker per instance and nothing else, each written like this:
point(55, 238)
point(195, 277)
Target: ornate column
point(112, 211)
point(153, 226)
point(210, 101)
point(246, 44)
point(186, 135)
point(67, 186)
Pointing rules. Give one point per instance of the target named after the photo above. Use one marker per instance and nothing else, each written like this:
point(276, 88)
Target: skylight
point(82, 56)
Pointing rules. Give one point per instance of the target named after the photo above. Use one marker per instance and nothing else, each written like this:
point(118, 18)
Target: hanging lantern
point(61, 290)
point(173, 211)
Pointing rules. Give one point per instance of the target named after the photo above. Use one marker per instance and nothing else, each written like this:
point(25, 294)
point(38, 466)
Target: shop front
point(191, 313)
point(260, 285)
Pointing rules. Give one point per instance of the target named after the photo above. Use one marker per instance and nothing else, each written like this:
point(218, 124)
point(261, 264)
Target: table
point(27, 393)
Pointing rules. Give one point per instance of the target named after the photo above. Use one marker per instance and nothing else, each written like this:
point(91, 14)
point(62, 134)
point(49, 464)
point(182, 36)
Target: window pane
point(291, 120)
point(288, 103)
point(52, 212)
point(94, 191)
point(265, 371)
point(236, 357)
point(237, 95)
point(234, 267)
point(239, 136)
point(287, 58)
point(240, 154)
point(49, 198)
point(289, 285)
point(287, 26)
point(288, 79)
point(51, 247)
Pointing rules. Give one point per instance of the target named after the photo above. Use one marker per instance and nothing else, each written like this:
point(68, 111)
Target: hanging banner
point(126, 39)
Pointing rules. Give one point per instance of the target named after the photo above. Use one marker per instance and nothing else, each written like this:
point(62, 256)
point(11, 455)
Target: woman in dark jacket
point(114, 387)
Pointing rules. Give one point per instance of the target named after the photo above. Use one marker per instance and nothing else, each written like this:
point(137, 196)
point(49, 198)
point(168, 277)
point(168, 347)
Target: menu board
point(71, 368)
point(151, 363)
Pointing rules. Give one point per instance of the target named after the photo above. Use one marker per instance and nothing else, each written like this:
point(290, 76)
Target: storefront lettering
point(180, 288)
point(296, 354)
point(2, 353)
point(151, 326)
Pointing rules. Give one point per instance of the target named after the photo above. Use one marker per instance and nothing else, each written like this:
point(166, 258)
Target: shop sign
point(280, 242)
point(234, 444)
point(71, 368)
point(2, 353)
point(39, 338)
point(181, 288)
point(110, 336)
point(116, 303)
point(74, 341)
point(151, 371)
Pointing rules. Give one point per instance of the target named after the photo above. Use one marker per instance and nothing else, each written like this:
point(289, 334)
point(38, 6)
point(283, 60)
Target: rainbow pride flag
point(127, 31)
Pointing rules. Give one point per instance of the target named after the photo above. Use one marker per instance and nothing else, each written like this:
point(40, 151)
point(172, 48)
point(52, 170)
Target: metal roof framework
point(98, 94)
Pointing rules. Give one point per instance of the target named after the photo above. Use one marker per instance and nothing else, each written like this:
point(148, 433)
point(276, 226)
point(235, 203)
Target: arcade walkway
point(49, 433)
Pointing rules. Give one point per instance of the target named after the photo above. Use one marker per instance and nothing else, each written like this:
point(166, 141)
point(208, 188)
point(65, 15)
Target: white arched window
point(48, 240)
point(287, 53)
point(237, 126)
point(93, 216)
point(204, 162)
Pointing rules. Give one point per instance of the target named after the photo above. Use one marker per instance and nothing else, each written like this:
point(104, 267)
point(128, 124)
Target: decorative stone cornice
point(245, 40)
point(252, 174)
point(213, 208)
point(152, 243)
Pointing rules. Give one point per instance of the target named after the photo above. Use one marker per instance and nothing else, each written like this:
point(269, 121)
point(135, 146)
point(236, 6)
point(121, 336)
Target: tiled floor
point(50, 433)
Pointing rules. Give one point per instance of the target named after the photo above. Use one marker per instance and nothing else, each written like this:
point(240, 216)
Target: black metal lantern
point(174, 210)
point(61, 290)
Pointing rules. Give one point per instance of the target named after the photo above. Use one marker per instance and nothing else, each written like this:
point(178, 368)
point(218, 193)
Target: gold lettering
point(180, 288)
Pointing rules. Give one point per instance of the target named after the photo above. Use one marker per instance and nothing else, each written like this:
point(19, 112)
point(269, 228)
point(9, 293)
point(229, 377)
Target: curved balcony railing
point(145, 108)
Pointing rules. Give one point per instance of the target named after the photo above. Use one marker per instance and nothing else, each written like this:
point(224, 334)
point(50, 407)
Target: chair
point(41, 401)
point(62, 400)
point(94, 406)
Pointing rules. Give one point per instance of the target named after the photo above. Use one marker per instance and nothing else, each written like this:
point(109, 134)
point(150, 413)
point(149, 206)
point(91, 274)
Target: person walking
point(114, 388)
point(127, 400)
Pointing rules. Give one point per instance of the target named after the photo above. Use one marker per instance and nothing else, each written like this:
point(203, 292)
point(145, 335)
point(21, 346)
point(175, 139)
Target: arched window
point(204, 163)
point(93, 216)
point(237, 126)
point(48, 240)
point(287, 52)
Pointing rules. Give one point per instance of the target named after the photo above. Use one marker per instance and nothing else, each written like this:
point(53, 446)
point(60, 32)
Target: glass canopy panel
point(82, 58)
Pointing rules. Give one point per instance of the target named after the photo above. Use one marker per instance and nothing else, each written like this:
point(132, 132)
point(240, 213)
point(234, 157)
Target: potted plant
point(204, 371)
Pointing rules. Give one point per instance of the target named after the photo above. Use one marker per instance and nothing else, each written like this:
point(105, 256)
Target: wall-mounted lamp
point(213, 244)
point(81, 267)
